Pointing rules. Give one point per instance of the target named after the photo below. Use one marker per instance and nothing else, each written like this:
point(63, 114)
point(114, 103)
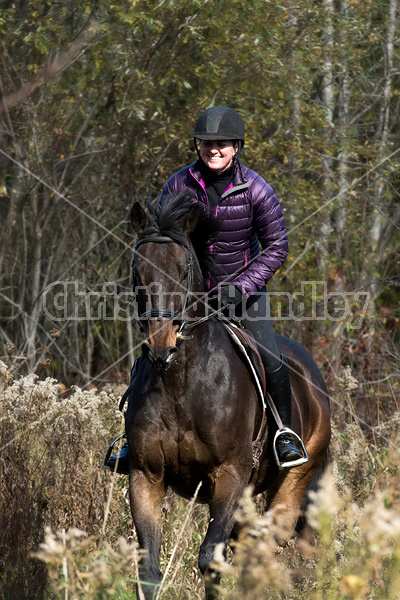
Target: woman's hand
point(227, 297)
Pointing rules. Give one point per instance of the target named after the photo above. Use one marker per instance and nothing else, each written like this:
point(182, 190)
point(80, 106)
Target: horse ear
point(189, 221)
point(139, 219)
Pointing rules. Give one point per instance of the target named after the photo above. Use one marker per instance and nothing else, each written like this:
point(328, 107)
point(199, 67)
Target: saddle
point(245, 343)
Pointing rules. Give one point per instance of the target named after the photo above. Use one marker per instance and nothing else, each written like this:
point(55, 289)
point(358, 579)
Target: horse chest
point(183, 449)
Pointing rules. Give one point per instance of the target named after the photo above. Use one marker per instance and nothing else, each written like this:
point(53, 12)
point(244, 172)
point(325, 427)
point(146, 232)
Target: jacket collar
point(239, 182)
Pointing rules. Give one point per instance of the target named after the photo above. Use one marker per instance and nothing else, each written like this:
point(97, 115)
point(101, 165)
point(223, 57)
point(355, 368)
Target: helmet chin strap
point(235, 158)
point(196, 146)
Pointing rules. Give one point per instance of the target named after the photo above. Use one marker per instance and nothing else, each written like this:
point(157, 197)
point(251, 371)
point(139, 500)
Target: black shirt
point(216, 184)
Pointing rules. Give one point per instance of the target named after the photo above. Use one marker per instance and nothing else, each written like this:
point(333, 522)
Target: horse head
point(166, 274)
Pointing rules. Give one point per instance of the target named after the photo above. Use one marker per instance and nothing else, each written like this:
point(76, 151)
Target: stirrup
point(292, 463)
point(110, 449)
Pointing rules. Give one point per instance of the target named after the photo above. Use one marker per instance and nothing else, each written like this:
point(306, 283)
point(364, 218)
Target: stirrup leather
point(292, 463)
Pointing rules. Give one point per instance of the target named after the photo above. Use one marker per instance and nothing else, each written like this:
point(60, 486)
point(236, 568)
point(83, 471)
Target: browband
point(161, 239)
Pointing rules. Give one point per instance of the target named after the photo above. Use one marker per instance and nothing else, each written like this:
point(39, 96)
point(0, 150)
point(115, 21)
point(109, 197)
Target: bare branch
point(63, 60)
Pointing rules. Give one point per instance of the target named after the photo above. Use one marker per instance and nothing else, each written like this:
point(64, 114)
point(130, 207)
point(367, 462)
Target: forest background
point(98, 105)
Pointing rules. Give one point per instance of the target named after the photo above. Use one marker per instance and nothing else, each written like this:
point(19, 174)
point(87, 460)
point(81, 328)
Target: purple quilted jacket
point(250, 215)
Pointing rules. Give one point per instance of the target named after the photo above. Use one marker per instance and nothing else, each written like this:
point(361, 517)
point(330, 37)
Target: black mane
point(165, 221)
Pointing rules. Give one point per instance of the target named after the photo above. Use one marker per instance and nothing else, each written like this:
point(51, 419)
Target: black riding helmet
point(220, 123)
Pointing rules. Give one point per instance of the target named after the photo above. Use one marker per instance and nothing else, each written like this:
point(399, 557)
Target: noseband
point(165, 313)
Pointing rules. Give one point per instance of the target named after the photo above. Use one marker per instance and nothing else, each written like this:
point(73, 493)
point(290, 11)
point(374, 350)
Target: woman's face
point(218, 154)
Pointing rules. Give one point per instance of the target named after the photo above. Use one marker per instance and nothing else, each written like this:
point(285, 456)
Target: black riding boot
point(278, 386)
point(120, 461)
point(123, 461)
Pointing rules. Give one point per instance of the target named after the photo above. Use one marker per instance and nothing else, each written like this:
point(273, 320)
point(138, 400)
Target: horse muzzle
point(160, 358)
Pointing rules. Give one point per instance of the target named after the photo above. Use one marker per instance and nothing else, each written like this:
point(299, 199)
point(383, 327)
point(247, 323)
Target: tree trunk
point(381, 207)
point(328, 99)
point(343, 135)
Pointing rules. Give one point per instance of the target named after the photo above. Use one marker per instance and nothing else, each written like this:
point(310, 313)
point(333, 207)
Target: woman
point(248, 214)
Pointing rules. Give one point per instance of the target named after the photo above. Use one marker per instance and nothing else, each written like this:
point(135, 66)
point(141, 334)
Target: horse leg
point(218, 532)
point(222, 509)
point(145, 499)
point(286, 500)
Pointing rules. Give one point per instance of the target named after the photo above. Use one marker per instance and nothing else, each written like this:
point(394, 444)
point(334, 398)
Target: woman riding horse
point(248, 214)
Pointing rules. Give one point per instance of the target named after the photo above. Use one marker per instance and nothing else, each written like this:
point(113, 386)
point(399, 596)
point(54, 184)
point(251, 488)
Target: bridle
point(165, 313)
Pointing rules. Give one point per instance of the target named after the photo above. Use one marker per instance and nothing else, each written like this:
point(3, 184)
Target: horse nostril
point(160, 358)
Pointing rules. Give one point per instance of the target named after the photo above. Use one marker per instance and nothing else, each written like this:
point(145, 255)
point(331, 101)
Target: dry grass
point(56, 544)
point(52, 449)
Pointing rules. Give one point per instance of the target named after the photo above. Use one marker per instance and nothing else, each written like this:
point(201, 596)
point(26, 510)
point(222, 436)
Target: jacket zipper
point(203, 187)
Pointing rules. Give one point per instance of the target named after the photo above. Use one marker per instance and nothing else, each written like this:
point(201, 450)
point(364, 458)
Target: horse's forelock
point(165, 219)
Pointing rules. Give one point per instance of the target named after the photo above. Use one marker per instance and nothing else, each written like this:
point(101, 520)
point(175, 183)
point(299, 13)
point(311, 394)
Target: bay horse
point(193, 411)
